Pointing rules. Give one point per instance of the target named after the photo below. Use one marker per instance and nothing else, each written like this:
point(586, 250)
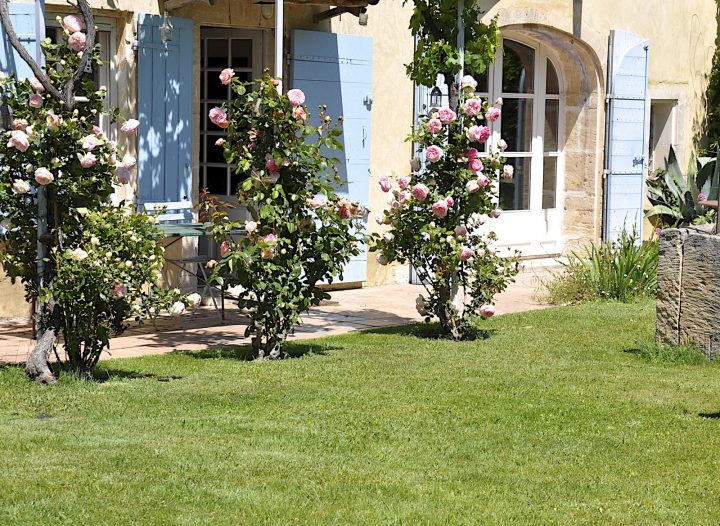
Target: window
point(220, 49)
point(662, 132)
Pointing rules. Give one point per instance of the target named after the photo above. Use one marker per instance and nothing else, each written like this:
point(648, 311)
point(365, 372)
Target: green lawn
point(551, 420)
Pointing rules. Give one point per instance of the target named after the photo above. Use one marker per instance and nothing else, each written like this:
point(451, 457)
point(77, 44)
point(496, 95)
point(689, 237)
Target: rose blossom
point(702, 197)
point(472, 187)
point(119, 290)
point(89, 142)
point(224, 248)
point(384, 183)
point(487, 311)
point(129, 162)
point(270, 164)
point(447, 115)
point(220, 142)
point(177, 309)
point(43, 176)
point(296, 97)
point(97, 130)
point(299, 113)
point(218, 117)
point(79, 254)
point(52, 121)
point(466, 254)
point(19, 124)
point(88, 160)
point(658, 231)
point(508, 171)
point(482, 180)
point(440, 208)
point(434, 125)
point(388, 236)
point(18, 139)
point(73, 23)
point(251, 227)
point(404, 182)
point(493, 114)
point(499, 101)
point(420, 192)
point(226, 76)
point(130, 126)
point(502, 145)
point(76, 41)
point(404, 197)
point(478, 133)
point(476, 165)
point(461, 231)
point(317, 202)
point(194, 300)
point(472, 107)
point(122, 174)
point(37, 85)
point(471, 154)
point(497, 213)
point(450, 201)
point(468, 83)
point(35, 101)
point(434, 154)
point(20, 187)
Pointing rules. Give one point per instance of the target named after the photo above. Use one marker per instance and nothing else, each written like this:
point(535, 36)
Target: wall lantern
point(435, 97)
point(266, 8)
point(166, 29)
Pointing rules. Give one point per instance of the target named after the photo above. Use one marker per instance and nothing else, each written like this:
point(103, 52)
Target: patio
point(347, 311)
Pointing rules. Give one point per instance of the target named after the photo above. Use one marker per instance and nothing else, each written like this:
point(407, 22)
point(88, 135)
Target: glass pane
point(517, 124)
point(241, 53)
point(515, 193)
point(217, 180)
point(552, 84)
point(235, 180)
point(552, 113)
point(217, 53)
point(549, 182)
point(215, 89)
point(214, 153)
point(518, 67)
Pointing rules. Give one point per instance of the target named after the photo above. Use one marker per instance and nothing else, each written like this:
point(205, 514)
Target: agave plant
point(674, 198)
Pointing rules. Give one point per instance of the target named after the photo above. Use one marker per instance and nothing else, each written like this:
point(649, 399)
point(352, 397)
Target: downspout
point(608, 121)
point(279, 41)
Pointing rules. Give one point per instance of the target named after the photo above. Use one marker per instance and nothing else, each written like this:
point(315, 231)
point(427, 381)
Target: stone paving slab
point(347, 311)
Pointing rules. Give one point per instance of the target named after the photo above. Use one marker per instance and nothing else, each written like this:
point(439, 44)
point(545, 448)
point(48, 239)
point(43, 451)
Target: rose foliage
point(301, 233)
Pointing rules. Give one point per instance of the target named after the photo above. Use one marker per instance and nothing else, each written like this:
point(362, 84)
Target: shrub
point(623, 271)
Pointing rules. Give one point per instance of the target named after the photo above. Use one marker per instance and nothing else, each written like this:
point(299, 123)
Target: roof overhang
point(344, 5)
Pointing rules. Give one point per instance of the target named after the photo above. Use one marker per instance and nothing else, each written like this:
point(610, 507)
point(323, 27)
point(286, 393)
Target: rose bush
point(301, 233)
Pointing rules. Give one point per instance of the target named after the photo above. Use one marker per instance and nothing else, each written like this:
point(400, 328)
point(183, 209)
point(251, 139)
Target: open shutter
point(24, 20)
point(627, 134)
point(336, 70)
point(165, 86)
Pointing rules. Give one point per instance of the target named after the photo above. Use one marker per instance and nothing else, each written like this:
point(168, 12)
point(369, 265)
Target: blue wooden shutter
point(336, 70)
point(24, 21)
point(627, 134)
point(165, 83)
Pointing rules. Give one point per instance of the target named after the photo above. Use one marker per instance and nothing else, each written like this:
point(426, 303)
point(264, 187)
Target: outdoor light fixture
point(435, 98)
point(363, 17)
point(266, 8)
point(166, 29)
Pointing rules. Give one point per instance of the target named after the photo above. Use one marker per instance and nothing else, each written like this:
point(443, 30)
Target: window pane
point(552, 113)
point(241, 53)
point(549, 182)
point(518, 67)
point(517, 124)
point(217, 53)
point(214, 153)
point(217, 180)
point(552, 84)
point(215, 89)
point(481, 79)
point(515, 193)
point(235, 180)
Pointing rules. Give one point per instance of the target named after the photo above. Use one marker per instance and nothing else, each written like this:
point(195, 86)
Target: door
point(336, 70)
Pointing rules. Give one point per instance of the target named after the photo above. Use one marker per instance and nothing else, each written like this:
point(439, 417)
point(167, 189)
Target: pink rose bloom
point(35, 101)
point(18, 139)
point(395, 204)
point(468, 83)
point(461, 231)
point(52, 121)
point(482, 180)
point(420, 192)
point(466, 254)
point(73, 23)
point(434, 153)
point(226, 76)
point(450, 201)
point(299, 113)
point(404, 182)
point(76, 41)
point(447, 115)
point(270, 164)
point(508, 171)
point(478, 133)
point(20, 187)
point(472, 153)
point(88, 160)
point(502, 145)
point(434, 125)
point(658, 231)
point(129, 162)
point(251, 227)
point(275, 82)
point(122, 174)
point(404, 197)
point(487, 311)
point(224, 248)
point(384, 183)
point(472, 107)
point(270, 238)
point(218, 117)
point(497, 213)
point(493, 114)
point(440, 208)
point(317, 202)
point(476, 165)
point(89, 142)
point(130, 126)
point(296, 97)
point(43, 176)
point(220, 142)
point(79, 254)
point(702, 197)
point(119, 290)
point(19, 124)
point(472, 187)
point(37, 85)
point(97, 130)
point(498, 101)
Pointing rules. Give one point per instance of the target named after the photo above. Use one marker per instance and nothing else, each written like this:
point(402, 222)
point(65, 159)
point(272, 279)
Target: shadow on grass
point(669, 355)
point(243, 353)
point(711, 416)
point(429, 331)
point(102, 375)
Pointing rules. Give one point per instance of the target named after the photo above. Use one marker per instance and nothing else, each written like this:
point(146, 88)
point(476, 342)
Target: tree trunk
point(37, 367)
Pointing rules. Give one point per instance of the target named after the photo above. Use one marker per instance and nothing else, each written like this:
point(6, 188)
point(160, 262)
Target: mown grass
point(552, 419)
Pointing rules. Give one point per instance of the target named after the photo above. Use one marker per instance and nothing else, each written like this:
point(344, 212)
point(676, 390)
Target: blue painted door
point(336, 70)
point(165, 74)
point(24, 19)
point(627, 134)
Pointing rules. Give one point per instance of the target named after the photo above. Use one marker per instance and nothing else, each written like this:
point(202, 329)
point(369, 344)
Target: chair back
point(179, 211)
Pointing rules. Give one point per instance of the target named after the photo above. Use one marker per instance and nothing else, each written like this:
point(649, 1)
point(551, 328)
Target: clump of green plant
point(676, 199)
point(624, 270)
point(665, 354)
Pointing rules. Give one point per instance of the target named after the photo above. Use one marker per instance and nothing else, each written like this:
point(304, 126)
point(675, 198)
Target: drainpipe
point(279, 41)
point(461, 38)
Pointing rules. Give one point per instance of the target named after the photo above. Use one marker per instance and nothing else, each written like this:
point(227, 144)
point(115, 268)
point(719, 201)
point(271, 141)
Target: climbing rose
point(493, 114)
point(461, 231)
point(434, 153)
point(440, 208)
point(420, 192)
point(702, 197)
point(218, 117)
point(194, 300)
point(299, 113)
point(508, 171)
point(129, 162)
point(97, 130)
point(658, 231)
point(469, 83)
point(130, 126)
point(250, 227)
point(476, 165)
point(472, 187)
point(122, 174)
point(177, 308)
point(270, 238)
point(73, 23)
point(478, 133)
point(450, 201)
point(76, 41)
point(270, 164)
point(499, 101)
point(20, 187)
point(466, 254)
point(404, 181)
point(52, 121)
point(472, 107)
point(502, 145)
point(43, 176)
point(226, 76)
point(404, 197)
point(224, 248)
point(447, 115)
point(79, 254)
point(88, 160)
point(434, 125)
point(472, 153)
point(37, 85)
point(35, 101)
point(384, 183)
point(220, 142)
point(487, 311)
point(297, 97)
point(89, 142)
point(119, 290)
point(18, 139)
point(482, 180)
point(19, 124)
point(317, 202)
